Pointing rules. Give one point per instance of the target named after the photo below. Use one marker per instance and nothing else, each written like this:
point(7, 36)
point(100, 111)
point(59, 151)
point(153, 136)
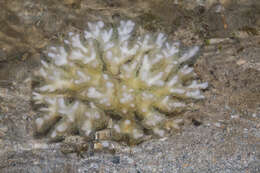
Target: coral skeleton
point(111, 78)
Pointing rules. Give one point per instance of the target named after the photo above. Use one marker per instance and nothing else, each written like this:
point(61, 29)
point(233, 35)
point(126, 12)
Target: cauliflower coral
point(111, 78)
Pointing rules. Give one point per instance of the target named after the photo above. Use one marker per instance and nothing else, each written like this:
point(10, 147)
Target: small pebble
point(217, 124)
point(116, 160)
point(235, 116)
point(241, 62)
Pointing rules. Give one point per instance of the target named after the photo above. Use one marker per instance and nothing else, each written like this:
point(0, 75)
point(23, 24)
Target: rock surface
point(221, 135)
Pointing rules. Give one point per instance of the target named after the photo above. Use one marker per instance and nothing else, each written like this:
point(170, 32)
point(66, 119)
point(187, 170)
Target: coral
point(111, 78)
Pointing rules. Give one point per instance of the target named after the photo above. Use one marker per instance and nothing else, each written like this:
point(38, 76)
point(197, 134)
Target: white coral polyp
point(139, 83)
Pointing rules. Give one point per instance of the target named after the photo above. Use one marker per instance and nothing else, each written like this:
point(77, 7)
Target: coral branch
point(108, 75)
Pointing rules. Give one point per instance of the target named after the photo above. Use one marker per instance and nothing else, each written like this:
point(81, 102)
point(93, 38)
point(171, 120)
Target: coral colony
point(110, 79)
